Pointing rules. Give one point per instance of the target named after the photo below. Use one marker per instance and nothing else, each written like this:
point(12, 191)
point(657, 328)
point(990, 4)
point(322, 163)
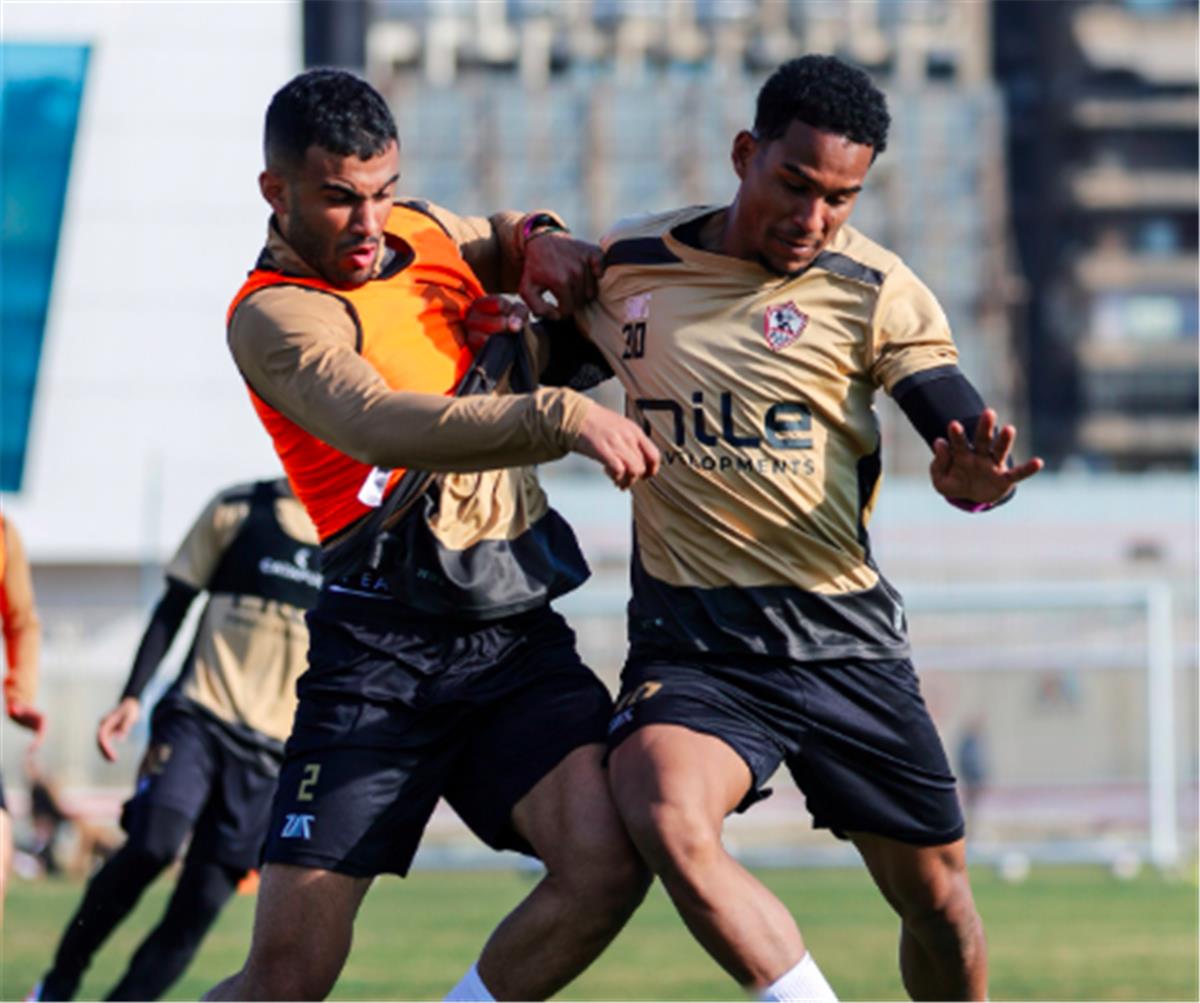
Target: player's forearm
point(22, 644)
point(494, 246)
point(933, 398)
point(164, 624)
point(22, 628)
point(400, 428)
point(436, 433)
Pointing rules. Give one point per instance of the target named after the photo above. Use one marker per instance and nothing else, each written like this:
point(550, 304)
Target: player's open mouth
point(361, 256)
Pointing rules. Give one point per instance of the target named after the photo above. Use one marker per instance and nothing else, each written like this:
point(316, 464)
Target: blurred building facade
point(600, 109)
point(1103, 164)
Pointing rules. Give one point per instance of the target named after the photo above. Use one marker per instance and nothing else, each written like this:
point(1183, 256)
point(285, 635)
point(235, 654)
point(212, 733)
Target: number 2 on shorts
point(312, 772)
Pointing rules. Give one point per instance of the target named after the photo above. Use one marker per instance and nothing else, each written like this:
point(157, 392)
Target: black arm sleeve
point(935, 397)
point(574, 361)
point(160, 632)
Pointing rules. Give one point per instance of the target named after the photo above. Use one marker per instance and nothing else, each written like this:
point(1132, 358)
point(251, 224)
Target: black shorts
point(190, 780)
point(856, 735)
point(493, 708)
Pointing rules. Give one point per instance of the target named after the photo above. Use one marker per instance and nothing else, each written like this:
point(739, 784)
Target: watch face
point(540, 221)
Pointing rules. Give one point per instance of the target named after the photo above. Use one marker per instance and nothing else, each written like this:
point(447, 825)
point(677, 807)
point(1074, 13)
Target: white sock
point(470, 989)
point(803, 982)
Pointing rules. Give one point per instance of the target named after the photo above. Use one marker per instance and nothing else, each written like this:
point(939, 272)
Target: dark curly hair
point(332, 109)
point(826, 93)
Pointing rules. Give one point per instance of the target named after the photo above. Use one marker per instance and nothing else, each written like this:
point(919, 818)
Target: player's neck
point(712, 235)
point(720, 235)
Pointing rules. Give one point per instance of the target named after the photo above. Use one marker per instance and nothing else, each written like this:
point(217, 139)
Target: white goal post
point(1154, 601)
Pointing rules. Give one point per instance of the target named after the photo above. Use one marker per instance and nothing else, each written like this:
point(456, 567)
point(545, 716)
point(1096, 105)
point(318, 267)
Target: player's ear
point(745, 146)
point(274, 190)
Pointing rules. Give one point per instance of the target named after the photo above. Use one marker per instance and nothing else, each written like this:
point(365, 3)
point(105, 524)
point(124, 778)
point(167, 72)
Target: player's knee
point(674, 840)
point(942, 910)
point(210, 890)
point(144, 861)
point(622, 884)
point(157, 843)
point(275, 970)
point(606, 877)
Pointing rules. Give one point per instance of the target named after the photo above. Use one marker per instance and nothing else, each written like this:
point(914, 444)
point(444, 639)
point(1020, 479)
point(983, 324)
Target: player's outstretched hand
point(978, 471)
point(28, 716)
point(116, 725)
point(490, 315)
point(618, 445)
point(566, 268)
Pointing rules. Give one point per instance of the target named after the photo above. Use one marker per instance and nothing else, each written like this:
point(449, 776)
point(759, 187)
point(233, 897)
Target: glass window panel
point(41, 87)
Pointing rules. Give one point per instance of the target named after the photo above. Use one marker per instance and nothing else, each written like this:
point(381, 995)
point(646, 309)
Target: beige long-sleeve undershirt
point(296, 348)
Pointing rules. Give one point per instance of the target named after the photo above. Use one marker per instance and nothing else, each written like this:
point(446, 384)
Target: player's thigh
point(303, 922)
point(916, 880)
point(668, 777)
point(686, 747)
point(525, 748)
point(569, 818)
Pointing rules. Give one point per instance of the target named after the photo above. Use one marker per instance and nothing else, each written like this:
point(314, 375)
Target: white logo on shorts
point(297, 827)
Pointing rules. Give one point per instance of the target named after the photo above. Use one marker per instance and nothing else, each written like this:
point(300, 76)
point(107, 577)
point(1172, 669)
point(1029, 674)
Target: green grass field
point(1064, 934)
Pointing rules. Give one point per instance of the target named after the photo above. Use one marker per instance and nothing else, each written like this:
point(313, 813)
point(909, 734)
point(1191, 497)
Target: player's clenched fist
point(490, 315)
point(566, 268)
point(618, 445)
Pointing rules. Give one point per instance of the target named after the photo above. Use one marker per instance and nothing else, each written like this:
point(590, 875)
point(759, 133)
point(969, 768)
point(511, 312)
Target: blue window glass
point(40, 91)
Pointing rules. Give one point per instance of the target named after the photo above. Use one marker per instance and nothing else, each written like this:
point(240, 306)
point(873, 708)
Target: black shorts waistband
point(387, 613)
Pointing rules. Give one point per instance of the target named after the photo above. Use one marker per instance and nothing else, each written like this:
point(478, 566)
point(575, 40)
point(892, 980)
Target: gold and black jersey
point(255, 551)
point(758, 388)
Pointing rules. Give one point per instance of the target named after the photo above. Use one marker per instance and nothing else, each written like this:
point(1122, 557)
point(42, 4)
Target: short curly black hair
point(329, 108)
point(826, 93)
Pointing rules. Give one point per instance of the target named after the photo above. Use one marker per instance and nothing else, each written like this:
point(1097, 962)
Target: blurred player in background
point(750, 338)
point(52, 821)
point(22, 642)
point(216, 736)
point(971, 758)
point(440, 669)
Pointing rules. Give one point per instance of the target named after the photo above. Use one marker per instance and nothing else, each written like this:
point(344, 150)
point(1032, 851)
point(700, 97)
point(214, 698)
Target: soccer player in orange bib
point(437, 666)
point(22, 642)
point(750, 339)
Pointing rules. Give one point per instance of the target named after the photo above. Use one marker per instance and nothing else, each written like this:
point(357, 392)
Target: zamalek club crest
point(783, 324)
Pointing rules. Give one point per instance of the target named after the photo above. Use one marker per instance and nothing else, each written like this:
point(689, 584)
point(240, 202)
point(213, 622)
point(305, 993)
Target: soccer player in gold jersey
point(750, 339)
